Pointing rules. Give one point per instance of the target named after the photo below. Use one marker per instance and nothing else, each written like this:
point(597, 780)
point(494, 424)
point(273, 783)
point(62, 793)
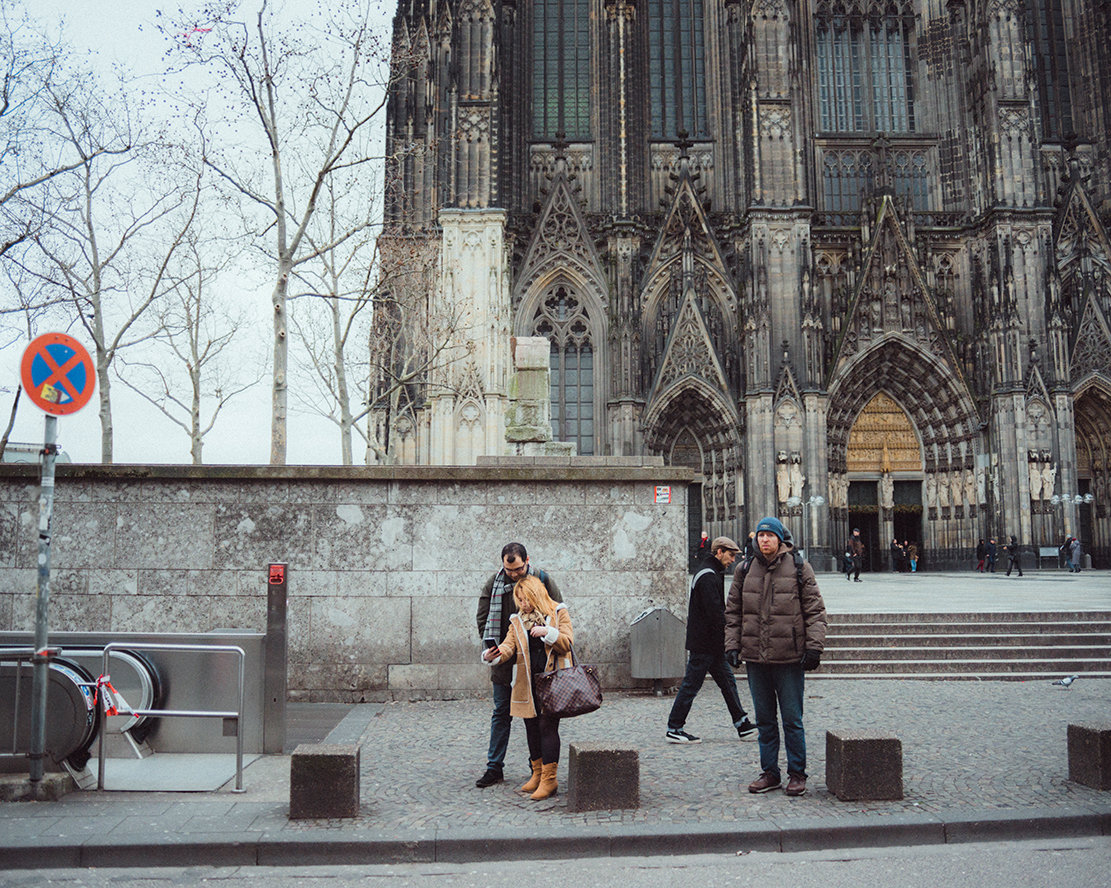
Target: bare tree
point(122, 215)
point(195, 365)
point(414, 343)
point(333, 309)
point(313, 90)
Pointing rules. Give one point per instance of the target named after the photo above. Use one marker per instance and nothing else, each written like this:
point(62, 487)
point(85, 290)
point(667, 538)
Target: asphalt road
point(1062, 863)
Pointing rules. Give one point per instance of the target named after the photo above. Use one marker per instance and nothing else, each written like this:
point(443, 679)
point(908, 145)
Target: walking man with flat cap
point(706, 644)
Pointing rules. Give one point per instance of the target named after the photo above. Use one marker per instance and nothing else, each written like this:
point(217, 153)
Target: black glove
point(811, 660)
point(733, 658)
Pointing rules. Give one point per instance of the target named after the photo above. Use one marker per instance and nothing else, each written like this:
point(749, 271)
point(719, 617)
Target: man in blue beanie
point(706, 643)
point(776, 622)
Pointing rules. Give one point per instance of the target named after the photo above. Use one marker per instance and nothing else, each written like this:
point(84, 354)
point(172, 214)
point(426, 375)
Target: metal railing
point(179, 713)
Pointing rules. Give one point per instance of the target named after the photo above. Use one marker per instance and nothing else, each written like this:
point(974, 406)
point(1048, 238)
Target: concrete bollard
point(323, 781)
point(1090, 755)
point(601, 776)
point(862, 766)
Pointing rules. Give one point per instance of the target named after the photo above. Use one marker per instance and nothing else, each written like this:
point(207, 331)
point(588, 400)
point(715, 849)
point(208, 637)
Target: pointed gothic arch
point(565, 312)
point(939, 405)
point(1092, 411)
point(692, 410)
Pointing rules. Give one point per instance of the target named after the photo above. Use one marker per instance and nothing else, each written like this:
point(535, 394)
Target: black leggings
point(543, 738)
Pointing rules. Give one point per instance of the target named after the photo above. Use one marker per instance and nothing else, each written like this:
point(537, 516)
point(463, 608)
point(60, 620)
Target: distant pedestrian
point(991, 553)
point(706, 644)
point(981, 554)
point(1074, 554)
point(896, 551)
point(847, 562)
point(1014, 556)
point(912, 556)
point(856, 544)
point(1064, 550)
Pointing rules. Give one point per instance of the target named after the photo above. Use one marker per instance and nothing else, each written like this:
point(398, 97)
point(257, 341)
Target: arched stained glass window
point(677, 85)
point(561, 69)
point(562, 319)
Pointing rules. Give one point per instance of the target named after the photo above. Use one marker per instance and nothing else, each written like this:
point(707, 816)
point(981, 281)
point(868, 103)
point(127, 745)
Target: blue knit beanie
point(774, 525)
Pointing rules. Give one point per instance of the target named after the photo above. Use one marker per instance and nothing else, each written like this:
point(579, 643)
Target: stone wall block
point(12, 539)
point(186, 613)
point(451, 680)
point(444, 630)
point(348, 681)
point(392, 583)
point(84, 535)
point(146, 537)
point(367, 630)
point(368, 538)
point(252, 536)
point(448, 535)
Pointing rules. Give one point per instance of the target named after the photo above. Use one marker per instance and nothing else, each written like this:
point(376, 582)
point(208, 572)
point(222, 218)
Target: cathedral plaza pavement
point(982, 760)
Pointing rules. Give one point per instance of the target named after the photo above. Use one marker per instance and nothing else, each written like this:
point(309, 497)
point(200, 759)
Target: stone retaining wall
point(385, 564)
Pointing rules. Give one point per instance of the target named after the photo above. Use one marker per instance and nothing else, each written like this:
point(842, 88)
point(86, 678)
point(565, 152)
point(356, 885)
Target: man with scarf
point(495, 606)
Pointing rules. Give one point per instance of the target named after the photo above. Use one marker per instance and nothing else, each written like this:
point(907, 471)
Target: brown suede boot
point(534, 780)
point(548, 784)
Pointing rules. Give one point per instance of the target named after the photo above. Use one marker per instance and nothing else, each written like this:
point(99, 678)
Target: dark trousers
point(698, 665)
point(1015, 563)
point(543, 738)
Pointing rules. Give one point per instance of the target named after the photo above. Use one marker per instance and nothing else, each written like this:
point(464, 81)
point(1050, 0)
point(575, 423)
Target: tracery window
point(865, 81)
point(561, 69)
point(1046, 26)
point(677, 86)
point(563, 320)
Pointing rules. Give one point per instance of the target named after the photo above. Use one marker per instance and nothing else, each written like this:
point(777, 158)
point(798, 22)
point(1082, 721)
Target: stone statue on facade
point(797, 478)
point(887, 491)
point(1049, 478)
point(970, 488)
point(943, 490)
point(931, 491)
point(782, 476)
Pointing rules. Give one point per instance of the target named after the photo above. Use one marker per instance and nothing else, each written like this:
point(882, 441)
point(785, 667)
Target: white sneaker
point(681, 737)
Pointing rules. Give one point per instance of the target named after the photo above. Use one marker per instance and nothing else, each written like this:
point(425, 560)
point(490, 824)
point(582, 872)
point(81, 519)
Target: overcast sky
point(123, 31)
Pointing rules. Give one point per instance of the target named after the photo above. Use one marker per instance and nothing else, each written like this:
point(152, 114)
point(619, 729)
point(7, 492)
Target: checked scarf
point(502, 584)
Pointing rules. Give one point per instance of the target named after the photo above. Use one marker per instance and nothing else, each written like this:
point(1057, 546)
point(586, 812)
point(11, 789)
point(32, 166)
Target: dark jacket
point(502, 674)
point(706, 612)
point(771, 620)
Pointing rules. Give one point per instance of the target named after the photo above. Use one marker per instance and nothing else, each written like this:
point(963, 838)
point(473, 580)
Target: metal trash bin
point(657, 647)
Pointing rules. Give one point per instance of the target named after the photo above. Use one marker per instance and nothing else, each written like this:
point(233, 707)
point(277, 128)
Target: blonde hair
point(533, 591)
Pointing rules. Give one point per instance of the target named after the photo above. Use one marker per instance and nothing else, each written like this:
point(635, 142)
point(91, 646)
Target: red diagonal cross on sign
point(57, 373)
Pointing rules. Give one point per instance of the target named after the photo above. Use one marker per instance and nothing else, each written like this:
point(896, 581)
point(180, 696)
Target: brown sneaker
point(766, 782)
point(796, 785)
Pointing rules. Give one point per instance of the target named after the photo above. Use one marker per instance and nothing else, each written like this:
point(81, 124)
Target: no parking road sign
point(58, 374)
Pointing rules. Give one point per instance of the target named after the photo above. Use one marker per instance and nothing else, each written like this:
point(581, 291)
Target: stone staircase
point(999, 646)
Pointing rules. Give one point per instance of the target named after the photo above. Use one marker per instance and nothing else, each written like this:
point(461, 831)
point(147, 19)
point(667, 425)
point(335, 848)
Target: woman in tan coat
point(539, 638)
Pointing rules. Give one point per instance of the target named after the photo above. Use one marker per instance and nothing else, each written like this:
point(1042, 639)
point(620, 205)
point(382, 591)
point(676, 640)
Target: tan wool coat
point(557, 642)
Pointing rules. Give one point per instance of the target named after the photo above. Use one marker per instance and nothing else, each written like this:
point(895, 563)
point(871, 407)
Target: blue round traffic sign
point(58, 374)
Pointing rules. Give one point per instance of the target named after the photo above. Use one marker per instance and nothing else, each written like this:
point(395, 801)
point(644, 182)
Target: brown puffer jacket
point(769, 621)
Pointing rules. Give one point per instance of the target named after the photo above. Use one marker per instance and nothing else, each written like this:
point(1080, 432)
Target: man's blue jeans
point(782, 684)
point(500, 723)
point(697, 667)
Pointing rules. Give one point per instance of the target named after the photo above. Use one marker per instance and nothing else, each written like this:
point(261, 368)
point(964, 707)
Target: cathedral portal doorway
point(1093, 468)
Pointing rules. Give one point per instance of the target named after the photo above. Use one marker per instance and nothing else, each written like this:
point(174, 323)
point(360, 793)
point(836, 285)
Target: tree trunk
point(279, 405)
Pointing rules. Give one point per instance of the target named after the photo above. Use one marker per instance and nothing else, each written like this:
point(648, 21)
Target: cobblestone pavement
point(976, 745)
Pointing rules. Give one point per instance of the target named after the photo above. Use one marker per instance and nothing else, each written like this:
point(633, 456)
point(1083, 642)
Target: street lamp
point(1075, 499)
point(806, 504)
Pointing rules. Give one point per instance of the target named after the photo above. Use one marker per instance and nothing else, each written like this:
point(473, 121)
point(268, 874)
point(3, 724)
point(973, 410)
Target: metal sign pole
point(42, 663)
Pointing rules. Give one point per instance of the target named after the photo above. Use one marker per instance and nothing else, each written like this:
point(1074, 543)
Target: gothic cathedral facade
point(846, 259)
